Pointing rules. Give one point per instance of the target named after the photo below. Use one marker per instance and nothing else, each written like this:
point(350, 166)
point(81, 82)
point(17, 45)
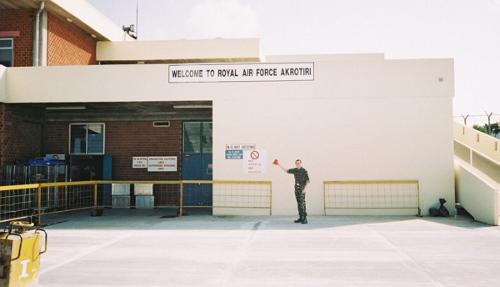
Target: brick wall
point(12, 20)
point(2, 112)
point(123, 140)
point(127, 139)
point(68, 44)
point(55, 137)
point(20, 133)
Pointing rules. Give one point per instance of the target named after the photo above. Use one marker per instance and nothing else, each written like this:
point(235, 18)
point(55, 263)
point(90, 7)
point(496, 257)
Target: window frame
point(184, 137)
point(10, 48)
point(201, 128)
point(87, 138)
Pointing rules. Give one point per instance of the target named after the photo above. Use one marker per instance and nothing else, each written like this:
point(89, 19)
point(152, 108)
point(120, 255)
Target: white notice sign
point(258, 72)
point(241, 146)
point(254, 161)
point(139, 162)
point(162, 163)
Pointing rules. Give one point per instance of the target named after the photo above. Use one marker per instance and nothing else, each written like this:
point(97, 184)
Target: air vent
point(161, 124)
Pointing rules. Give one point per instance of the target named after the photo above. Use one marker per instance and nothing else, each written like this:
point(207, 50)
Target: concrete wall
point(487, 166)
point(362, 117)
point(180, 50)
point(482, 143)
point(367, 119)
point(478, 194)
point(3, 75)
point(335, 140)
point(478, 149)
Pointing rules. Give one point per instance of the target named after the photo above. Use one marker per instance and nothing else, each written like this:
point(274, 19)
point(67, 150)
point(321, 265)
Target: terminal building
point(375, 134)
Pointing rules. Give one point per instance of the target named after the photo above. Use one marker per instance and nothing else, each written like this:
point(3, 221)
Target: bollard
point(20, 250)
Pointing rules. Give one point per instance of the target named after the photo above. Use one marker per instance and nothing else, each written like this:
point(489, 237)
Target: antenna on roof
point(137, 19)
point(132, 30)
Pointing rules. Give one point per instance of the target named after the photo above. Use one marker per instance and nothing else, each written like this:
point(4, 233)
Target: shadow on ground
point(198, 219)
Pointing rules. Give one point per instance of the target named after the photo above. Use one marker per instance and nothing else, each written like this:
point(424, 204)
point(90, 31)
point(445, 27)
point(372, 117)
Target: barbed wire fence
point(487, 122)
point(478, 119)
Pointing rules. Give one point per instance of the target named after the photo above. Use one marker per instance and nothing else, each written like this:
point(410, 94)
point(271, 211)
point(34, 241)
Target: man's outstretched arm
point(283, 168)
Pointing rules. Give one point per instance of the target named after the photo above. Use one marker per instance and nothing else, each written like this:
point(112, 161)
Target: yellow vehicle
point(20, 249)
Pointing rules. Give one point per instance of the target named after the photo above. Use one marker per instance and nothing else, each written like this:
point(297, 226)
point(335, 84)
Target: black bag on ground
point(440, 211)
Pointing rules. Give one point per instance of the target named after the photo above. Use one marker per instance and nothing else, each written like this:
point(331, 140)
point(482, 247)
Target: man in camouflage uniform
point(301, 180)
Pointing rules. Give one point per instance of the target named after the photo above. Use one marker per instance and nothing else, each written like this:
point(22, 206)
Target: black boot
point(298, 220)
point(304, 220)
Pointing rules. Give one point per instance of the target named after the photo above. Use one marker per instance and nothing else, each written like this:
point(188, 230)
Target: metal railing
point(36, 200)
point(18, 201)
point(242, 194)
point(371, 194)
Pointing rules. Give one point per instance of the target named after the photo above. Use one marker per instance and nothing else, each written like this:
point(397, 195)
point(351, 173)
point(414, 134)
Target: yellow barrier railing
point(36, 200)
point(371, 194)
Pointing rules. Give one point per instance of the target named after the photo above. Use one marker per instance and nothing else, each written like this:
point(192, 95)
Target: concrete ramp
point(477, 192)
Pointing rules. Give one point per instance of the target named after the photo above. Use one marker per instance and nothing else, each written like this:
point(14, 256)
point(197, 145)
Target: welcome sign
point(258, 72)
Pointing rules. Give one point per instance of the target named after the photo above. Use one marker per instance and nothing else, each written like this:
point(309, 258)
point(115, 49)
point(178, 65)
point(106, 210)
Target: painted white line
point(242, 253)
point(85, 253)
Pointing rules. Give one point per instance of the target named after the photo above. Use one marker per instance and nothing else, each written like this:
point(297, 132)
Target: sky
point(466, 30)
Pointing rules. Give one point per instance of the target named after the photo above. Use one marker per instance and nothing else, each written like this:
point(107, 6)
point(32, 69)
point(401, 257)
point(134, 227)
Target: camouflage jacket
point(300, 174)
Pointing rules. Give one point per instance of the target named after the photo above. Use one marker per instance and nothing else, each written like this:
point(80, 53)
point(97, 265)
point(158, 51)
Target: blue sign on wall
point(234, 154)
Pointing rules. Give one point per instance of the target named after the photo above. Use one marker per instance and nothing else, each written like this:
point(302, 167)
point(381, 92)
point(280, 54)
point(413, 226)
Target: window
point(197, 137)
point(86, 138)
point(7, 52)
point(192, 139)
point(206, 137)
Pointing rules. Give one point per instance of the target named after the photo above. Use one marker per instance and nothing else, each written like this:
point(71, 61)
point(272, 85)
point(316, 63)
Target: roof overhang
point(79, 12)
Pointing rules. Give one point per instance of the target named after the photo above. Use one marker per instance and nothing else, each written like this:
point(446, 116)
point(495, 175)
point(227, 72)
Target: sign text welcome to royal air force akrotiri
point(258, 72)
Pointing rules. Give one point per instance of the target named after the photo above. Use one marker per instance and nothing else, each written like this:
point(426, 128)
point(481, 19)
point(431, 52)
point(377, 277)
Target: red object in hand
point(275, 162)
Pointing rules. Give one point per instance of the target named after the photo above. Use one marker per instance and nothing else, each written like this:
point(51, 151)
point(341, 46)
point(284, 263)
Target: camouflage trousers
point(301, 200)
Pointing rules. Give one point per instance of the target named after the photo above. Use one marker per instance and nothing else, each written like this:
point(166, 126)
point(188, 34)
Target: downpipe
point(36, 40)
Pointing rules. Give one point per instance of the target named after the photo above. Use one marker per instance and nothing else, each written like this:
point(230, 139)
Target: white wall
point(3, 74)
point(341, 139)
point(362, 117)
point(477, 193)
point(482, 143)
point(179, 50)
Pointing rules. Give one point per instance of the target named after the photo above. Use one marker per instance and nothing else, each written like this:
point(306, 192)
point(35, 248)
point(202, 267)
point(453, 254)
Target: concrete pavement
point(139, 248)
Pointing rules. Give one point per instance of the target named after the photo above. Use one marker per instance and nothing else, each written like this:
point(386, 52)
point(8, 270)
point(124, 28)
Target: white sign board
point(139, 162)
point(258, 72)
point(254, 161)
point(241, 146)
point(55, 156)
point(162, 163)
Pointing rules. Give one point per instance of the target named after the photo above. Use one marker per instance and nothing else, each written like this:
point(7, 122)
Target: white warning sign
point(254, 162)
point(162, 163)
